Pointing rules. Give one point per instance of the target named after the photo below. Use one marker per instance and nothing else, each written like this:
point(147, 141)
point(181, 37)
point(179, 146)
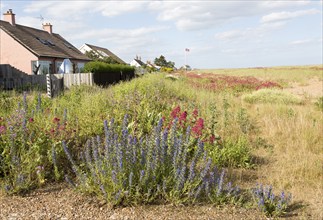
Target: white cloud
point(117, 34)
point(230, 35)
point(300, 42)
point(286, 15)
point(2, 6)
point(254, 34)
point(284, 4)
point(186, 15)
point(80, 8)
point(197, 15)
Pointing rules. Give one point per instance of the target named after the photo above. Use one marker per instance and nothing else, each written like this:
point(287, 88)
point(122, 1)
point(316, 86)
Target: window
point(58, 64)
point(79, 67)
point(45, 42)
point(44, 67)
point(67, 45)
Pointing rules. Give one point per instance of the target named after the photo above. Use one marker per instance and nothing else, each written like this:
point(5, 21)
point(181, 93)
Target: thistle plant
point(123, 169)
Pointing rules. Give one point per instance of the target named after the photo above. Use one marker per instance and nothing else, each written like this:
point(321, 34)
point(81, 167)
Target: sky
point(218, 34)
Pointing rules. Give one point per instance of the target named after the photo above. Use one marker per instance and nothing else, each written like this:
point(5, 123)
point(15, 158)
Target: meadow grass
point(272, 96)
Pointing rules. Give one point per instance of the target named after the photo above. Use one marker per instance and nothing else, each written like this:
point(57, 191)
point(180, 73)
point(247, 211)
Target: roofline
point(17, 39)
point(32, 51)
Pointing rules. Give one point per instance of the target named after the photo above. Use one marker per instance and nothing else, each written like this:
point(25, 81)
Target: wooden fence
point(56, 83)
point(12, 78)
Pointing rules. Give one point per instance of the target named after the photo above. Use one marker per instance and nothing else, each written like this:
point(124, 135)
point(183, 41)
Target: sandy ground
point(312, 89)
point(60, 202)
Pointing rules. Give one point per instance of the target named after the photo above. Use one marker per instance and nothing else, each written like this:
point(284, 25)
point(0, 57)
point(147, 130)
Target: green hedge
point(105, 74)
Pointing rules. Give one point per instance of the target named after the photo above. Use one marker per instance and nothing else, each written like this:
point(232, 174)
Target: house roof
point(139, 62)
point(105, 53)
point(41, 43)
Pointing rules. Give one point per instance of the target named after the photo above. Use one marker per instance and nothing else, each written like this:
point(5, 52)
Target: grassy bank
point(265, 142)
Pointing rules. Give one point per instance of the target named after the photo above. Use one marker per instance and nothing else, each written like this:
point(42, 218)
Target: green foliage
point(233, 153)
point(271, 204)
point(107, 74)
point(319, 103)
point(101, 67)
point(27, 136)
point(272, 96)
point(158, 168)
point(162, 62)
point(77, 115)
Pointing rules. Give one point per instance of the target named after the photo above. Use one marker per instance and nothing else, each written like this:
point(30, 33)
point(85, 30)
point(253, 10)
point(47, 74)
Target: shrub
point(233, 153)
point(124, 170)
point(272, 96)
point(105, 74)
point(27, 136)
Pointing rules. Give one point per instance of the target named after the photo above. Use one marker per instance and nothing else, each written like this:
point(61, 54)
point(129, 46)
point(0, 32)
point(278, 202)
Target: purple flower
point(220, 183)
point(192, 171)
point(206, 169)
point(130, 179)
point(2, 129)
point(142, 173)
point(68, 180)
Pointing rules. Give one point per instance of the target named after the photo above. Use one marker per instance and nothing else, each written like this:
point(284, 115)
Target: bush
point(272, 96)
point(158, 168)
point(234, 153)
point(105, 74)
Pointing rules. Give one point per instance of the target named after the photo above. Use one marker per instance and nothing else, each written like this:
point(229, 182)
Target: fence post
point(49, 86)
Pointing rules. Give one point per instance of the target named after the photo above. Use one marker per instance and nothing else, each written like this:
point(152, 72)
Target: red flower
point(31, 120)
point(198, 127)
point(56, 120)
point(52, 130)
point(195, 113)
point(212, 139)
point(183, 117)
point(175, 112)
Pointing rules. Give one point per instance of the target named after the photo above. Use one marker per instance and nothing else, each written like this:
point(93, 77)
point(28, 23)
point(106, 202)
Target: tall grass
point(297, 154)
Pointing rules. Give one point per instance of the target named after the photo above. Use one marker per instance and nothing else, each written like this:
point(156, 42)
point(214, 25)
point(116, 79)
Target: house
point(100, 52)
point(152, 65)
point(137, 62)
point(35, 51)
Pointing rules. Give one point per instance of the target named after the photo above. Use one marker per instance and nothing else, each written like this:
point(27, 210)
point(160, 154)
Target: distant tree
point(95, 57)
point(162, 62)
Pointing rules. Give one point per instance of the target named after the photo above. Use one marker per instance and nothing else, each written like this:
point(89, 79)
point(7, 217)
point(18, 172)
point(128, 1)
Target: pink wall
point(13, 53)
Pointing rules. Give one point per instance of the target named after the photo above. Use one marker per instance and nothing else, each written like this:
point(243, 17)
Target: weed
point(124, 170)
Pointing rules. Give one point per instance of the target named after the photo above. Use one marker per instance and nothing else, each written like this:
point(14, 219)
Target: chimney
point(10, 17)
point(48, 27)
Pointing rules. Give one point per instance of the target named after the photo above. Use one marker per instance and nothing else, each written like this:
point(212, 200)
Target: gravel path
point(59, 202)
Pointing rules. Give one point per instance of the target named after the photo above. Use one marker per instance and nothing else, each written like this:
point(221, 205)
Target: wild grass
point(296, 155)
point(274, 144)
point(272, 96)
